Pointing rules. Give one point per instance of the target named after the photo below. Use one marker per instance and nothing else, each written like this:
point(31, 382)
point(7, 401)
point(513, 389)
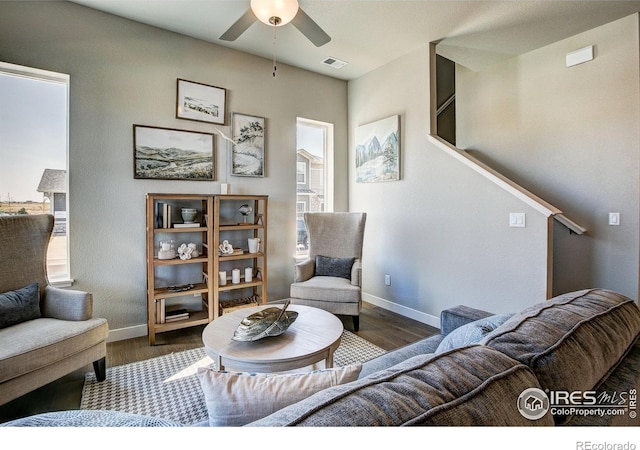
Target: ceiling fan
point(277, 13)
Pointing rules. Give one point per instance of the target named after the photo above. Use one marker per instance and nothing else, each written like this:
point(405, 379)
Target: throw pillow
point(238, 398)
point(471, 333)
point(19, 305)
point(334, 267)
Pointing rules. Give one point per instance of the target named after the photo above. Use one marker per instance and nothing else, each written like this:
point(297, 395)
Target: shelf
point(180, 230)
point(246, 255)
point(198, 288)
point(241, 285)
point(177, 261)
point(195, 318)
point(241, 226)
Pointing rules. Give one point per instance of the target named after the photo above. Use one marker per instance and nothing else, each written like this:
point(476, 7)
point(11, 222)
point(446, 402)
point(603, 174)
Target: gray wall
point(124, 73)
point(568, 135)
point(442, 231)
point(571, 136)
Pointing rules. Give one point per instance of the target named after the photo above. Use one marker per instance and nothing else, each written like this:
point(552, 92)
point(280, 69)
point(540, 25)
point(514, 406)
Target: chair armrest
point(455, 317)
point(66, 304)
point(304, 270)
point(356, 273)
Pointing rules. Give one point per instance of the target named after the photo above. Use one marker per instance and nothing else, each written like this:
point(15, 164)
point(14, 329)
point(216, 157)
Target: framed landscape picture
point(247, 151)
point(201, 102)
point(169, 154)
point(378, 151)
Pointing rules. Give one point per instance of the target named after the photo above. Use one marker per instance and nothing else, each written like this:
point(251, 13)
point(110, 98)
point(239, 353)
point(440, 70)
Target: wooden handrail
point(508, 185)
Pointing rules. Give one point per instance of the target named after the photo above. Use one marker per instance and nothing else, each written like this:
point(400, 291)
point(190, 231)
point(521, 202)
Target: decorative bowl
point(189, 214)
point(265, 323)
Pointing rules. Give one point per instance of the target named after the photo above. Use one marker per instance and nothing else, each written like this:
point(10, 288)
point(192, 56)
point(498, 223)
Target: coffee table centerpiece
point(267, 322)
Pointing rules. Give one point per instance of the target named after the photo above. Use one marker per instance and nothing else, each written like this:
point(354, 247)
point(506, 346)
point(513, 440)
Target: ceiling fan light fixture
point(275, 12)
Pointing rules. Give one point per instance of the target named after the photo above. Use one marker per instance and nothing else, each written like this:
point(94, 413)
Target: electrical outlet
point(387, 280)
point(614, 218)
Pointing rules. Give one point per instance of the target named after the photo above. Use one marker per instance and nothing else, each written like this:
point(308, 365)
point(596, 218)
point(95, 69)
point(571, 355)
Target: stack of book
point(166, 316)
point(175, 315)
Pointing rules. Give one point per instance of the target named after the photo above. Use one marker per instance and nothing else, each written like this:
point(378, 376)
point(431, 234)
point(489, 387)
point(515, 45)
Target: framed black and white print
point(201, 102)
point(170, 154)
point(247, 150)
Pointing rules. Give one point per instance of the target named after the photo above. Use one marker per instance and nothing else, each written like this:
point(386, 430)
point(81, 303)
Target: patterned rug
point(167, 387)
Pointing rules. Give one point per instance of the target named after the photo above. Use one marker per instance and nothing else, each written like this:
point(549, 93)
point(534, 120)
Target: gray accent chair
point(333, 235)
point(65, 337)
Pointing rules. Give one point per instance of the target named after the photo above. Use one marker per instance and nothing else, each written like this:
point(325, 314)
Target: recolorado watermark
point(534, 403)
point(588, 445)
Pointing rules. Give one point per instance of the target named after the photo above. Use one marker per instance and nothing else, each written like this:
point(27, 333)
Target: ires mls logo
point(534, 403)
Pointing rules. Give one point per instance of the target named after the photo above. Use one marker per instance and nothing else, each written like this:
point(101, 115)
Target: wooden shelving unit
point(162, 274)
point(230, 225)
point(205, 294)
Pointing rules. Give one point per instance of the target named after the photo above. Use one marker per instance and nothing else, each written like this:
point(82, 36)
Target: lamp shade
point(284, 10)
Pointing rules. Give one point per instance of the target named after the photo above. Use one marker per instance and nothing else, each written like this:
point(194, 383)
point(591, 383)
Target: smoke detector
point(334, 62)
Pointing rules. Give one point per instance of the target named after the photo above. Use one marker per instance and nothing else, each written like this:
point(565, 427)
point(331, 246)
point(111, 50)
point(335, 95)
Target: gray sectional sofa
point(546, 365)
point(583, 343)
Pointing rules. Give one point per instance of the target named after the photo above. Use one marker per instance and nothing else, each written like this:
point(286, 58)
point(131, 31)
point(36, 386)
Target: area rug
point(167, 387)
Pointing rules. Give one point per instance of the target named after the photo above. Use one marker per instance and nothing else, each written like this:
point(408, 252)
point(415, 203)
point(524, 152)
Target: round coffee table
point(313, 337)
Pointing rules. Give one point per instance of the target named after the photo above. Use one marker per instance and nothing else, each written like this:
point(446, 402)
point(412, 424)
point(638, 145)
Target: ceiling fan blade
point(240, 26)
point(310, 29)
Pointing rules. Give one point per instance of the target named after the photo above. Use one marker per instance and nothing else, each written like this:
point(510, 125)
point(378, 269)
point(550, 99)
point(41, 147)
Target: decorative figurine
point(185, 252)
point(245, 210)
point(225, 248)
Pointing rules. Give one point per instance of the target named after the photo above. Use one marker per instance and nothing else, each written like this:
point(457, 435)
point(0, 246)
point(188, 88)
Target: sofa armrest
point(304, 270)
point(455, 317)
point(66, 304)
point(356, 273)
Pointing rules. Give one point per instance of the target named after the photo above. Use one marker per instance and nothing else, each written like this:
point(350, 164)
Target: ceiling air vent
point(335, 63)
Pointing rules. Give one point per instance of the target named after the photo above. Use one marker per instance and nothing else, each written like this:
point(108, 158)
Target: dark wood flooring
point(383, 328)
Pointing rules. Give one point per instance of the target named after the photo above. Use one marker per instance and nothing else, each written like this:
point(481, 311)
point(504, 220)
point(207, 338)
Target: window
point(314, 174)
point(33, 174)
point(301, 174)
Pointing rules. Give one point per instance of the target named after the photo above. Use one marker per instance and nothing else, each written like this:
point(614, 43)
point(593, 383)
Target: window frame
point(33, 73)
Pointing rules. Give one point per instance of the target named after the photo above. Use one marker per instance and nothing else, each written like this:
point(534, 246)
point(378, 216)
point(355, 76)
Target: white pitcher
point(254, 245)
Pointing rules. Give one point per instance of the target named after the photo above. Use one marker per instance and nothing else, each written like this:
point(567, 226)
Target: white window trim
point(328, 158)
point(54, 77)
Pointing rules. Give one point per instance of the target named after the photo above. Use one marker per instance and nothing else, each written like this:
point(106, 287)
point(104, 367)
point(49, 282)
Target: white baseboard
point(135, 331)
point(402, 310)
point(120, 334)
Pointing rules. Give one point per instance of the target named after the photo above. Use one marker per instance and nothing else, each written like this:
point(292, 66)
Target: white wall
point(442, 231)
point(571, 135)
point(124, 73)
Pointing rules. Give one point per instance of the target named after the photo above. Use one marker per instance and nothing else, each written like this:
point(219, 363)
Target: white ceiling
point(370, 33)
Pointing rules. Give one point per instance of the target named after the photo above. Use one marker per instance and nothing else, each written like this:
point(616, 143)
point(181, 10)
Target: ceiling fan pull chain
point(274, 50)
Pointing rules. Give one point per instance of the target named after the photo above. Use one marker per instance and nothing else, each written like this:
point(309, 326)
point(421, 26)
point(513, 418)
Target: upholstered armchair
point(331, 278)
point(45, 332)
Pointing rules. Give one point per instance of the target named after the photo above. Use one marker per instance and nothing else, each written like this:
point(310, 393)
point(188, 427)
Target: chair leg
point(100, 367)
point(356, 322)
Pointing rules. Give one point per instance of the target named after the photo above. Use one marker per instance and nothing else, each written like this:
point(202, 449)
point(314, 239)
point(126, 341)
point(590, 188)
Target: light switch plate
point(517, 220)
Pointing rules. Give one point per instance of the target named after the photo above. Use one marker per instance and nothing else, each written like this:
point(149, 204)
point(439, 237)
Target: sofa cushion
point(326, 289)
point(35, 344)
point(471, 333)
point(333, 267)
point(571, 342)
point(237, 398)
point(468, 386)
point(19, 305)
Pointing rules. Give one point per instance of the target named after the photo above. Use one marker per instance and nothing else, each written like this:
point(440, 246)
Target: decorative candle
point(223, 277)
point(235, 276)
point(248, 274)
